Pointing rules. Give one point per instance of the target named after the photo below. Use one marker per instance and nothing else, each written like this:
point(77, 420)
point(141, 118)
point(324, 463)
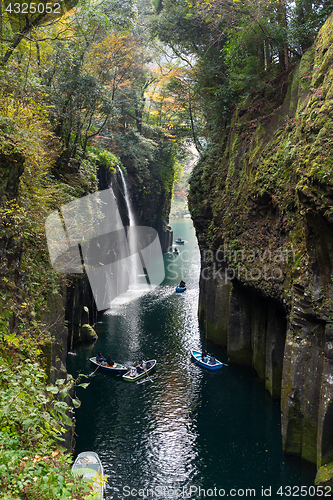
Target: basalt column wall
point(264, 188)
point(251, 328)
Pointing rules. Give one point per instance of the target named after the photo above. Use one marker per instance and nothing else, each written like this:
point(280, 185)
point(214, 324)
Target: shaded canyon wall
point(261, 200)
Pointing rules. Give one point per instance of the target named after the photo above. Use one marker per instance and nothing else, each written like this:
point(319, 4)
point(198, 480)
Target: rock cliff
point(261, 201)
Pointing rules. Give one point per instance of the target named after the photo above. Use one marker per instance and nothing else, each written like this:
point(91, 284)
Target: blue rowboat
point(197, 356)
point(179, 241)
point(115, 368)
point(180, 289)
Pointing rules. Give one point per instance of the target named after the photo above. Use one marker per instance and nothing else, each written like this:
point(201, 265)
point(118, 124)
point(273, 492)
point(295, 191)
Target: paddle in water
point(91, 374)
point(148, 376)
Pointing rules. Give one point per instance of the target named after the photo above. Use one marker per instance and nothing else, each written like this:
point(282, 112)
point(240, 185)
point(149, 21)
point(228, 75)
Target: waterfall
point(136, 275)
point(134, 267)
point(121, 263)
point(127, 199)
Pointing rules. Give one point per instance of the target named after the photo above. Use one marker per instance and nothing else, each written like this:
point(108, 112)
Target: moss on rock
point(87, 334)
point(324, 476)
point(266, 189)
point(241, 356)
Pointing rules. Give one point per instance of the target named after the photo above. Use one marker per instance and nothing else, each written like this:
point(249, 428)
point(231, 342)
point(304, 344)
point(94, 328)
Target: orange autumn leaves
point(115, 61)
point(124, 66)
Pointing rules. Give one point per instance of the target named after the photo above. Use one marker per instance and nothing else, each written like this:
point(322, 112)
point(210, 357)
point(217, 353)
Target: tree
point(24, 19)
point(237, 46)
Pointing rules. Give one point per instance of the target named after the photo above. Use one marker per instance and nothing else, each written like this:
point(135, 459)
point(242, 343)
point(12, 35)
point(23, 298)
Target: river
point(186, 428)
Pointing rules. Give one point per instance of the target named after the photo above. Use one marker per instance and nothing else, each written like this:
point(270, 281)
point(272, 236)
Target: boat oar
point(94, 371)
point(148, 376)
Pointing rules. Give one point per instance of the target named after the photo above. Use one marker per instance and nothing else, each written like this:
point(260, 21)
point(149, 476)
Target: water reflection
point(173, 436)
point(187, 427)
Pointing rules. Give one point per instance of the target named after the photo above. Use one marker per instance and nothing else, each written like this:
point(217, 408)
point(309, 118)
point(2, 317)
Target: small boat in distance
point(133, 375)
point(179, 241)
point(89, 466)
point(175, 251)
point(181, 287)
point(197, 356)
point(115, 368)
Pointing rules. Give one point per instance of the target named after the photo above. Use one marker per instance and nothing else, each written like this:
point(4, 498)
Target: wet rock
point(88, 334)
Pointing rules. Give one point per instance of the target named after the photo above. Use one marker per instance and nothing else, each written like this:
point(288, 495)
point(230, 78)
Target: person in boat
point(140, 366)
point(182, 284)
point(109, 360)
point(99, 358)
point(212, 360)
point(204, 356)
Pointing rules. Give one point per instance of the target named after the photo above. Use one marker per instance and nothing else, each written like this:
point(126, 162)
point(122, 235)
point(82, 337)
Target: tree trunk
point(282, 22)
point(303, 10)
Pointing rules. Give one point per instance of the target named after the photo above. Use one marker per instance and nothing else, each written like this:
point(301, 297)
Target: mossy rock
point(46, 349)
point(242, 356)
point(87, 334)
point(324, 476)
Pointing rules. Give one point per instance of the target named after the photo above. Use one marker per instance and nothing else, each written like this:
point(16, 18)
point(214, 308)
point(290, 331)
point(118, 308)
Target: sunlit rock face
point(261, 201)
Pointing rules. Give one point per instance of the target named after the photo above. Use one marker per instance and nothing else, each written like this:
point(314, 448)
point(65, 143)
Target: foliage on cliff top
point(237, 48)
point(33, 415)
point(269, 185)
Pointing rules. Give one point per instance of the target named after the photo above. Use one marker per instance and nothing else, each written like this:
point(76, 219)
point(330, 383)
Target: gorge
point(115, 105)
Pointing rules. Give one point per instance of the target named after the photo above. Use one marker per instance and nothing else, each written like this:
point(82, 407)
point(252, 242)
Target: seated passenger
point(140, 367)
point(109, 360)
point(212, 360)
point(99, 357)
point(182, 284)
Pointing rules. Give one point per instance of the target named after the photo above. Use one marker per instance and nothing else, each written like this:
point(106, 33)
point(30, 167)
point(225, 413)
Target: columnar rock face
point(152, 203)
point(250, 327)
point(261, 201)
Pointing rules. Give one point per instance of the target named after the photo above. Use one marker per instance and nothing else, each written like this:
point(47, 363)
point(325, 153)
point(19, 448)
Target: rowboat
point(116, 368)
point(180, 289)
point(133, 375)
point(197, 356)
point(179, 241)
point(89, 466)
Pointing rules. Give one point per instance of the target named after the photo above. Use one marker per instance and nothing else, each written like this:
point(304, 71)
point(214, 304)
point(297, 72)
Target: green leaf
point(85, 385)
point(60, 381)
point(64, 393)
point(53, 389)
point(27, 423)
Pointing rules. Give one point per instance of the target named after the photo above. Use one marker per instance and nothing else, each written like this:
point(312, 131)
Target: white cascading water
point(137, 280)
point(132, 239)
